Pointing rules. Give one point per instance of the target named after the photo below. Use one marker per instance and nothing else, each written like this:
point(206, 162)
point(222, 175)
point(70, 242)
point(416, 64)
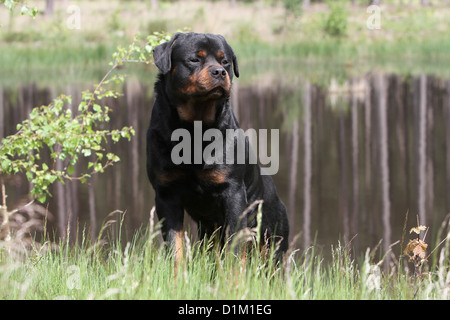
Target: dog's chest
point(194, 178)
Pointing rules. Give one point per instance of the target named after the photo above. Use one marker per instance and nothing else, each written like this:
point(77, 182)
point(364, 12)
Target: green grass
point(319, 61)
point(114, 268)
point(143, 269)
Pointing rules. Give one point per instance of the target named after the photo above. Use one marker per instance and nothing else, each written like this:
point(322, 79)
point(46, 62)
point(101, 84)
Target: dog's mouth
point(204, 86)
point(217, 92)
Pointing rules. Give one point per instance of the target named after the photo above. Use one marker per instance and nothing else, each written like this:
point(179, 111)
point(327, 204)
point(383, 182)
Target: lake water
point(355, 155)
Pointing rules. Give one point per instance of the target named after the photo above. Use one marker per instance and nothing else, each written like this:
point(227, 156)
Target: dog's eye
point(224, 62)
point(194, 60)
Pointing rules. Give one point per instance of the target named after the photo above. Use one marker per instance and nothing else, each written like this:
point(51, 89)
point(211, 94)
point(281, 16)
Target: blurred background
point(360, 92)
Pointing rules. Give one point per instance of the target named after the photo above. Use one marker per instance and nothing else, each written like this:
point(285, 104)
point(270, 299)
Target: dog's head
point(198, 66)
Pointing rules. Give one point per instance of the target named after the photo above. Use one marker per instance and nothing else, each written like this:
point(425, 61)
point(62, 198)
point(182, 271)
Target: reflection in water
point(354, 142)
point(307, 172)
point(421, 146)
point(354, 157)
point(380, 93)
point(293, 177)
point(447, 142)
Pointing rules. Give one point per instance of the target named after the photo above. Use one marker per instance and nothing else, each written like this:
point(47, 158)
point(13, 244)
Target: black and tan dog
point(194, 84)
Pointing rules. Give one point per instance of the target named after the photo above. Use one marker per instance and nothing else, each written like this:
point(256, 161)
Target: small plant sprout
point(416, 248)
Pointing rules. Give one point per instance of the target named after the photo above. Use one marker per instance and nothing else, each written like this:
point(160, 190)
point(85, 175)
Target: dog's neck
point(192, 110)
point(213, 113)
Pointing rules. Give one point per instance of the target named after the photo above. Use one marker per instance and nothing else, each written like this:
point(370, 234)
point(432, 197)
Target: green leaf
point(98, 167)
point(51, 179)
point(86, 152)
point(42, 198)
point(97, 108)
point(70, 170)
point(115, 136)
point(29, 175)
point(5, 163)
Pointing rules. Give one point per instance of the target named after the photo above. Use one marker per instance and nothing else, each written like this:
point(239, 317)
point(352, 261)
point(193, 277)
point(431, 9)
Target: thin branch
point(116, 64)
point(100, 83)
point(18, 209)
point(3, 192)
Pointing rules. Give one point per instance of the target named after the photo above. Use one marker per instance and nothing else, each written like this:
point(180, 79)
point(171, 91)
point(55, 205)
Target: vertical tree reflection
point(380, 87)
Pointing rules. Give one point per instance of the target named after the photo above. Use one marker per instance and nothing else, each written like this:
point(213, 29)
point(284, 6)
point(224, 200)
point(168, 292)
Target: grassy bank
point(142, 269)
point(410, 38)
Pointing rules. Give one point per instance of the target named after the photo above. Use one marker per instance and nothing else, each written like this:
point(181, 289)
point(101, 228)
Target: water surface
point(355, 155)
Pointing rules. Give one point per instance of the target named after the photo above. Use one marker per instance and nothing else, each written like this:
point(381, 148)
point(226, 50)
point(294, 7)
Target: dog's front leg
point(235, 205)
point(169, 209)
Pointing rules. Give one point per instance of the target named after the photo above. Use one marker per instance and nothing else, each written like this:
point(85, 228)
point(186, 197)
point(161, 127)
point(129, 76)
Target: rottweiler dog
point(193, 86)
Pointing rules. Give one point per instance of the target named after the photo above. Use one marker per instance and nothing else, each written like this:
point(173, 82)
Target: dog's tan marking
point(167, 177)
point(205, 112)
point(201, 53)
point(178, 249)
point(215, 176)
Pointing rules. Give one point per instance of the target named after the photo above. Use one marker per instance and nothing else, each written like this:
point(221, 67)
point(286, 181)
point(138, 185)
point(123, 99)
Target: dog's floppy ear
point(235, 65)
point(162, 54)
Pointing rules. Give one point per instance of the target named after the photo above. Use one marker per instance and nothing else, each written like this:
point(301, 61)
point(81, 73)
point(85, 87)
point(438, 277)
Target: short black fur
point(194, 83)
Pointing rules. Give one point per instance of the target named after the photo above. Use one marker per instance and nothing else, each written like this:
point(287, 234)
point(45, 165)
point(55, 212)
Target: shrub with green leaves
point(25, 9)
point(69, 136)
point(293, 8)
point(336, 22)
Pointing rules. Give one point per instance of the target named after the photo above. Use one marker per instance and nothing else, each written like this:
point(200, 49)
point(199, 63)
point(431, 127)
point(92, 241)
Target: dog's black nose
point(218, 72)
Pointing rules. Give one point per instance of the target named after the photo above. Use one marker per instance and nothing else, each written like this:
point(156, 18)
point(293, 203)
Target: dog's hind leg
point(178, 249)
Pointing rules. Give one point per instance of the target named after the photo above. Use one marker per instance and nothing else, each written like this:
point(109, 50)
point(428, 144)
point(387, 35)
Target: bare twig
point(5, 231)
point(21, 208)
point(3, 192)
